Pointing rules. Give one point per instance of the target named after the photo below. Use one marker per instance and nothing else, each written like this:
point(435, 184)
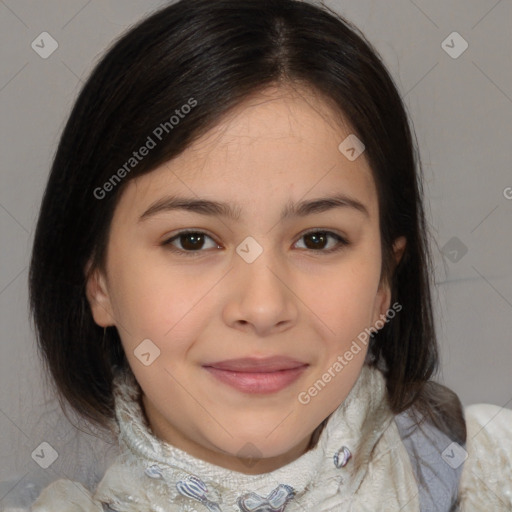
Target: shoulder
point(438, 482)
point(64, 496)
point(486, 481)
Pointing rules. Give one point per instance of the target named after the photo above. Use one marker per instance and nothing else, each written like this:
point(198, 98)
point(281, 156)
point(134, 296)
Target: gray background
point(462, 112)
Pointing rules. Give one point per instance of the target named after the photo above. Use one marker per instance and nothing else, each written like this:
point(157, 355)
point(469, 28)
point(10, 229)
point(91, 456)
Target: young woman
point(231, 272)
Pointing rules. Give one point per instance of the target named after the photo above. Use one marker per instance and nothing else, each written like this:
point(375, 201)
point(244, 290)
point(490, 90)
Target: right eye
point(191, 242)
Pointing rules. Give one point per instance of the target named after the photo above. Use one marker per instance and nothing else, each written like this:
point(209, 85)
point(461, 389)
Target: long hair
point(217, 54)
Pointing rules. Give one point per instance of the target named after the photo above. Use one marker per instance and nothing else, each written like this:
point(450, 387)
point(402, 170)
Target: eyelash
point(342, 242)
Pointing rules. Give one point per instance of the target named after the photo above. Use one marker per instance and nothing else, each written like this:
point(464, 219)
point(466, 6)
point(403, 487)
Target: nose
point(260, 296)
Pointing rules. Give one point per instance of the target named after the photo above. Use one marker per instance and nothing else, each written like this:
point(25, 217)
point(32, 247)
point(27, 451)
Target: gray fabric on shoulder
point(438, 475)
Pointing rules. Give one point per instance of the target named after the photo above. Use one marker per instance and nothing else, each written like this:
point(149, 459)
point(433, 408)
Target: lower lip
point(257, 382)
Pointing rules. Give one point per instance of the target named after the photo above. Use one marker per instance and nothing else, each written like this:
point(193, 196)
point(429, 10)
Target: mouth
point(257, 365)
point(252, 375)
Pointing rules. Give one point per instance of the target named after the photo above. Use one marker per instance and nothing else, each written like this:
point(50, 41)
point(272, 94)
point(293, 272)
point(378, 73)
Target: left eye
point(193, 241)
point(319, 238)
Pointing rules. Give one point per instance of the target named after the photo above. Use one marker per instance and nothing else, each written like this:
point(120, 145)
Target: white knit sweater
point(359, 463)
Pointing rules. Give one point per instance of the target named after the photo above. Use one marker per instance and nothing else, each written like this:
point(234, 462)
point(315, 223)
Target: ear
point(98, 297)
point(383, 298)
point(399, 248)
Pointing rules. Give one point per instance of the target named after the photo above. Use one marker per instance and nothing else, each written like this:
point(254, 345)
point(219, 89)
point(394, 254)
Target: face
point(254, 284)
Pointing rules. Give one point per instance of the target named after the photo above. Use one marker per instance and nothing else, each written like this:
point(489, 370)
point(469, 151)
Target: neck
point(248, 465)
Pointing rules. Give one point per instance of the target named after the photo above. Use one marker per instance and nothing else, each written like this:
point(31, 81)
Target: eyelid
point(329, 231)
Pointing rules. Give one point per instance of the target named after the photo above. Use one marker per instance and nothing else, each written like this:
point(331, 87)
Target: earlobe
point(98, 297)
point(399, 248)
point(384, 293)
point(384, 299)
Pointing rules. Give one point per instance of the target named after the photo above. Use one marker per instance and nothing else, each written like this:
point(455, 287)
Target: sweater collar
point(337, 463)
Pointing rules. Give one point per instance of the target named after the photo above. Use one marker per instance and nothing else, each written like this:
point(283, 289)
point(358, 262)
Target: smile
point(257, 382)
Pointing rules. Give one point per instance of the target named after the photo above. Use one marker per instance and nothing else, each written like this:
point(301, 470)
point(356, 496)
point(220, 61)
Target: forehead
point(280, 142)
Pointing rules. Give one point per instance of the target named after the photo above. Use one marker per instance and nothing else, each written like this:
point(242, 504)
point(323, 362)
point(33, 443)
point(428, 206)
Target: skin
point(293, 300)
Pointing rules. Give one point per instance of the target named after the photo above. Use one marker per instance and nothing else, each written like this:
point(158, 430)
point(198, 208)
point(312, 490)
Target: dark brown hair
point(219, 53)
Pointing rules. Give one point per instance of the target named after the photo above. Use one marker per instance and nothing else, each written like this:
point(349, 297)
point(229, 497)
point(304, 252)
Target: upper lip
point(254, 364)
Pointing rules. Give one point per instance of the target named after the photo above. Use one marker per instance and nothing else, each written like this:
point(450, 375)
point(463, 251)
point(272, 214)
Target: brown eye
point(190, 241)
point(318, 240)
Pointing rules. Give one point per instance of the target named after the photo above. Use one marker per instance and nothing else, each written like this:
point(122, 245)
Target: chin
point(259, 447)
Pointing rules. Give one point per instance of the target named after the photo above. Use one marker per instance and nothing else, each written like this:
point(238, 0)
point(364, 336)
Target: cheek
point(344, 297)
point(156, 301)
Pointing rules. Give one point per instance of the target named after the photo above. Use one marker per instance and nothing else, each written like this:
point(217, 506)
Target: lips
point(257, 365)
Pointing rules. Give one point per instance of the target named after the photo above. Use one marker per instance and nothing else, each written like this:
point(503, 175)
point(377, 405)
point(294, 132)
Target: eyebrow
point(232, 211)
